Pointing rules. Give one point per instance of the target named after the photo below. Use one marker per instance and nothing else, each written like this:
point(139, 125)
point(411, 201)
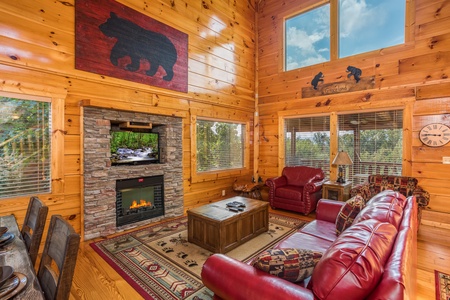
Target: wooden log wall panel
point(37, 54)
point(419, 67)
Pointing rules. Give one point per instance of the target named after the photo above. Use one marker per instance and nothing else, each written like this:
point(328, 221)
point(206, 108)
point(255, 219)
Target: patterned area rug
point(442, 286)
point(160, 263)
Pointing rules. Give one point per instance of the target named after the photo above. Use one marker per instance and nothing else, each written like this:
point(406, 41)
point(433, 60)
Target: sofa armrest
point(328, 210)
point(276, 182)
point(312, 187)
point(231, 279)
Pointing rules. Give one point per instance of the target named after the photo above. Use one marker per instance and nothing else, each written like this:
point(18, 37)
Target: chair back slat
point(33, 226)
point(58, 259)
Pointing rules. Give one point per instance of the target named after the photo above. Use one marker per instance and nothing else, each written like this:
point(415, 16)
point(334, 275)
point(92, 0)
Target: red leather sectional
point(375, 258)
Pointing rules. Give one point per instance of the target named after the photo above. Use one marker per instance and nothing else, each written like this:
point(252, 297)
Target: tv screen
point(134, 148)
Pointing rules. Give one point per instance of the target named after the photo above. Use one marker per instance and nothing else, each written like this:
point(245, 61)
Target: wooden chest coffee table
point(219, 230)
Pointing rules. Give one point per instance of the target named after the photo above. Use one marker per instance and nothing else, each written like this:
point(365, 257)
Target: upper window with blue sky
point(363, 26)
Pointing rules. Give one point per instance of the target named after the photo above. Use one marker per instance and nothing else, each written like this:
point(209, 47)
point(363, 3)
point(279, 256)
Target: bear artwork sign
point(114, 40)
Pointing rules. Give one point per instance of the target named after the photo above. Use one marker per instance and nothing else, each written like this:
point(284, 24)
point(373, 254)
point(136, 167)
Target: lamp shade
point(342, 159)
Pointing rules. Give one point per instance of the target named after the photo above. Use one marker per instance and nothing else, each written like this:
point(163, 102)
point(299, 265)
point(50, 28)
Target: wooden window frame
point(218, 174)
point(334, 29)
point(57, 138)
point(406, 104)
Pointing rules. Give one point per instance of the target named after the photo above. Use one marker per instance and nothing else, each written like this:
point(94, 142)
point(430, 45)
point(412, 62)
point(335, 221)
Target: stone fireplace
point(101, 215)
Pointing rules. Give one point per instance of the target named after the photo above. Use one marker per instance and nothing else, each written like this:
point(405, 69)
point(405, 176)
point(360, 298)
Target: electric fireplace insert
point(139, 199)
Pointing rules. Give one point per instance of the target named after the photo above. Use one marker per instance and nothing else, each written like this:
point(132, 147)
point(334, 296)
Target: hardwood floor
point(95, 279)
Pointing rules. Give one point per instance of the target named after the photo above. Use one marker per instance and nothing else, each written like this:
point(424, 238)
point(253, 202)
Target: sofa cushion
point(321, 229)
point(353, 265)
point(289, 192)
point(386, 206)
point(290, 264)
point(348, 213)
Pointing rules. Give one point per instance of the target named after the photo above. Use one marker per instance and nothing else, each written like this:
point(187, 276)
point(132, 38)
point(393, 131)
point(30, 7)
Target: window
point(308, 38)
point(360, 26)
point(220, 145)
point(307, 142)
point(374, 141)
point(25, 147)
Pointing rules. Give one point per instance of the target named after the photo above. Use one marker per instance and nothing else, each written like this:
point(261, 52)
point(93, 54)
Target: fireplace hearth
point(139, 199)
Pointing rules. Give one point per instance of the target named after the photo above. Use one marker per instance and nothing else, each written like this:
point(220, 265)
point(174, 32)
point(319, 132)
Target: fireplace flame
point(142, 203)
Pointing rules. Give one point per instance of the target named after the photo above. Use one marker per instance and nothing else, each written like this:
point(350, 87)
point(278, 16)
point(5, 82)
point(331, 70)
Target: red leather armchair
point(297, 189)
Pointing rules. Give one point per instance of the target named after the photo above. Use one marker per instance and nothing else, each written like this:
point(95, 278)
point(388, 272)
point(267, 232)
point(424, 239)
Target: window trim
point(334, 32)
point(218, 174)
point(57, 139)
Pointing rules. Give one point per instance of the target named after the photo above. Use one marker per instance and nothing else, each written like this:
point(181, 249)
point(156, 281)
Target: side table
point(248, 189)
point(336, 191)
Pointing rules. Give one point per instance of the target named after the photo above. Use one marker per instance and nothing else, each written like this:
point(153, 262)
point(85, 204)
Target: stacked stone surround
point(100, 177)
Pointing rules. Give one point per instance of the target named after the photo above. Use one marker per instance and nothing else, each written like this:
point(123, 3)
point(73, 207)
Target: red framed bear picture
point(114, 40)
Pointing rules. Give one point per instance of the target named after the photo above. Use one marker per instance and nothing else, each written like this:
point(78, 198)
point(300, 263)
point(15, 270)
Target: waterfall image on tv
point(130, 147)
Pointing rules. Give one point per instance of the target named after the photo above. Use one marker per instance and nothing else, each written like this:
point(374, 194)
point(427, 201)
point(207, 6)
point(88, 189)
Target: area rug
point(442, 285)
point(160, 263)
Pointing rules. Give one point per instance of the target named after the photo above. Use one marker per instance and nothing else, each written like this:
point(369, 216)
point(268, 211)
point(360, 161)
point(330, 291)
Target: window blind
point(25, 147)
point(374, 141)
point(220, 145)
point(308, 142)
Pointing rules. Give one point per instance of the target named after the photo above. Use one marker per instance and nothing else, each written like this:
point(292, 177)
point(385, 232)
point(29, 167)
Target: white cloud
point(356, 15)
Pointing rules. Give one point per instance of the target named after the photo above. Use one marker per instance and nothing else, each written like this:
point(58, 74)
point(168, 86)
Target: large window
point(315, 36)
point(374, 141)
point(25, 147)
point(220, 145)
point(307, 142)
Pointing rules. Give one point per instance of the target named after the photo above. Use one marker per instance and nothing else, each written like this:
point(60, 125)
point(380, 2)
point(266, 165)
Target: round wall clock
point(435, 134)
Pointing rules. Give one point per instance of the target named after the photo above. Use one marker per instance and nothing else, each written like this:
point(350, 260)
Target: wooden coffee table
point(220, 230)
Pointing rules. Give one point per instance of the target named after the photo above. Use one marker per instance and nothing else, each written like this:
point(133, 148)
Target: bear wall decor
point(129, 36)
point(114, 40)
point(319, 77)
point(355, 72)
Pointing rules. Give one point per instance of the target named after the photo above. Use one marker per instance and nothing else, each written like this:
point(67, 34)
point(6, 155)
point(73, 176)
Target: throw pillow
point(290, 264)
point(348, 213)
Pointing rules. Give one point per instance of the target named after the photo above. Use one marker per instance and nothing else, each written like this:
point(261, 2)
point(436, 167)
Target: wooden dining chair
point(33, 226)
point(58, 259)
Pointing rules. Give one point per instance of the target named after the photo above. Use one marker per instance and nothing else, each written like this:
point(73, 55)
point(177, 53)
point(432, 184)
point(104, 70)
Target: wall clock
point(435, 134)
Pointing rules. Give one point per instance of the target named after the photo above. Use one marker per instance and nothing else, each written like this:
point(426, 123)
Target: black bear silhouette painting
point(160, 51)
point(355, 72)
point(318, 78)
point(114, 40)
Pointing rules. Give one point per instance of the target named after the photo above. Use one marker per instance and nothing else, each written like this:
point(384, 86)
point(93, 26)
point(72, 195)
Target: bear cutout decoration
point(158, 50)
point(317, 79)
point(355, 72)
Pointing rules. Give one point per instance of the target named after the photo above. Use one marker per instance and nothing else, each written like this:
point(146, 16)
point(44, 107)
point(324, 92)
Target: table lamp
point(342, 159)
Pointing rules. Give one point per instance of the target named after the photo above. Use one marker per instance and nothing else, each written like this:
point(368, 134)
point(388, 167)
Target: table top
point(335, 183)
point(16, 255)
point(218, 210)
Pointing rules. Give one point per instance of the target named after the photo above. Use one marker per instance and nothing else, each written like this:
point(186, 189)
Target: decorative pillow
point(348, 213)
point(291, 264)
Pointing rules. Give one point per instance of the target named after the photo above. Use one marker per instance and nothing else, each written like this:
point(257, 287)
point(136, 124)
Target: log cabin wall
point(37, 58)
point(413, 76)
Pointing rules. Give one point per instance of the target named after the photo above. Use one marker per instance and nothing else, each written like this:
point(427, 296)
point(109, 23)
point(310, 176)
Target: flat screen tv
point(134, 148)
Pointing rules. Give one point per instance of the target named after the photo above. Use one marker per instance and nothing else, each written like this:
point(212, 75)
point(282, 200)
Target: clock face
point(435, 135)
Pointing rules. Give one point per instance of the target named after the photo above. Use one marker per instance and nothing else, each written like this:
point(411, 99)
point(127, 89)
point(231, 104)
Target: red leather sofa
point(297, 189)
point(375, 258)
